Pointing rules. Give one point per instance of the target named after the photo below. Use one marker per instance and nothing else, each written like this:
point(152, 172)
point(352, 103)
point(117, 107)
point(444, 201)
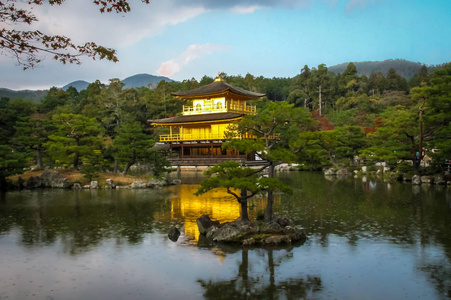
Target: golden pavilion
point(196, 136)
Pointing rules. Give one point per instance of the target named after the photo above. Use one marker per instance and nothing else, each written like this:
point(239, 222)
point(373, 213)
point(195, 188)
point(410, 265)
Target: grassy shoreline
point(76, 176)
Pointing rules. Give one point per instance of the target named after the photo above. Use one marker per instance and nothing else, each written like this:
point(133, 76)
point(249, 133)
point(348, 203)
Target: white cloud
point(231, 4)
point(245, 9)
point(81, 21)
point(193, 52)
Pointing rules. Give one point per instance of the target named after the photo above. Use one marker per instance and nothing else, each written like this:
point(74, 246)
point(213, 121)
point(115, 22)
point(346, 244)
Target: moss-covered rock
point(275, 232)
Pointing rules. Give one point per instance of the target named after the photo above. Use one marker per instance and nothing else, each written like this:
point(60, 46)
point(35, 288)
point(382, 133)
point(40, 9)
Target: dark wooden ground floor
point(205, 154)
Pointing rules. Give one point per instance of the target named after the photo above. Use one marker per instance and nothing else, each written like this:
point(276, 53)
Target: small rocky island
point(247, 233)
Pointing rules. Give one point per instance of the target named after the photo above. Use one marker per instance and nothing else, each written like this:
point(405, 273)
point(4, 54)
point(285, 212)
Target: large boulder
point(282, 221)
point(234, 231)
point(32, 182)
point(426, 179)
point(271, 227)
point(176, 182)
point(439, 179)
point(204, 223)
point(111, 183)
point(155, 183)
point(123, 187)
point(210, 232)
point(174, 234)
point(295, 234)
point(416, 179)
point(138, 185)
point(53, 179)
point(329, 172)
point(343, 172)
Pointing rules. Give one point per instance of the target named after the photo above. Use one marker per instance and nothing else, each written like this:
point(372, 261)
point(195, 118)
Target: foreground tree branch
point(28, 47)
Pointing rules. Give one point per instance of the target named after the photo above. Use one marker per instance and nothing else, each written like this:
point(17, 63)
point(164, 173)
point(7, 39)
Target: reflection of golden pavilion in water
point(217, 204)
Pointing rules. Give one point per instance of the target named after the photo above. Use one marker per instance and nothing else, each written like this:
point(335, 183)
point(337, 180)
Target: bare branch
point(232, 193)
point(27, 47)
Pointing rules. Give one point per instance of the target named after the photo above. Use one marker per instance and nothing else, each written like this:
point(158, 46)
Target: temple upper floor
point(218, 97)
point(218, 105)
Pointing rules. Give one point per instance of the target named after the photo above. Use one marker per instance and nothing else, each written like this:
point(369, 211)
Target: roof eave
point(197, 122)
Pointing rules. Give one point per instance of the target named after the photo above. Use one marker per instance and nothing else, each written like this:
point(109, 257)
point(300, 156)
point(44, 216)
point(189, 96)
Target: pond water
point(366, 240)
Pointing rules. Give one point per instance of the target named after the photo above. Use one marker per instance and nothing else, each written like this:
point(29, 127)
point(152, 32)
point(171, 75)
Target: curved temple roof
point(217, 87)
point(197, 118)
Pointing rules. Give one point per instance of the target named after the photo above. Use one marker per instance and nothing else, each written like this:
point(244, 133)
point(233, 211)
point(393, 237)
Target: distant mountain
point(130, 82)
point(79, 85)
point(143, 80)
point(34, 96)
point(134, 81)
point(403, 67)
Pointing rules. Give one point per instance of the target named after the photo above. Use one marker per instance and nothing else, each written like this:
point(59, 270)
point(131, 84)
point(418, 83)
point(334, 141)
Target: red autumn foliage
point(324, 123)
point(368, 130)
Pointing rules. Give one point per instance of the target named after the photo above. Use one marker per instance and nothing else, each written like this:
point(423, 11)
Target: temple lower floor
point(203, 154)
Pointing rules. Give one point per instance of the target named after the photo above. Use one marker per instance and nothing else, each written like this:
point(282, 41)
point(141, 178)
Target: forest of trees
point(105, 127)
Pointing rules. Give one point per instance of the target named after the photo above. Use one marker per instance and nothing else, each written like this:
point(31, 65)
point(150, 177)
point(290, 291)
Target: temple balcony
point(197, 137)
point(201, 109)
point(205, 137)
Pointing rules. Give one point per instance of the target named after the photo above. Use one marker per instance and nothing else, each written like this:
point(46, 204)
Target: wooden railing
point(204, 137)
point(247, 109)
point(190, 137)
point(193, 110)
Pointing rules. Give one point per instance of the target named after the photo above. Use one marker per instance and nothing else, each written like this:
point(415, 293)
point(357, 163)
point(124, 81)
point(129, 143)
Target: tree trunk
point(320, 104)
point(243, 202)
point(127, 167)
point(77, 155)
point(415, 158)
point(331, 158)
point(116, 166)
point(39, 159)
point(3, 183)
point(420, 137)
point(269, 205)
point(76, 160)
point(244, 214)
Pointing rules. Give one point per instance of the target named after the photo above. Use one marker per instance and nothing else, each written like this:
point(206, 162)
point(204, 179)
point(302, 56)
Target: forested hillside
point(105, 127)
point(24, 94)
point(405, 68)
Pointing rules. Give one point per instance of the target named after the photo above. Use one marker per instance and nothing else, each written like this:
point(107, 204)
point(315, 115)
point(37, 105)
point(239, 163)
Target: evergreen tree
point(31, 134)
point(274, 125)
point(11, 162)
point(132, 146)
point(233, 177)
point(76, 137)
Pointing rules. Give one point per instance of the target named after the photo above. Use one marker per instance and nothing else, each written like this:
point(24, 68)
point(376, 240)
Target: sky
point(184, 39)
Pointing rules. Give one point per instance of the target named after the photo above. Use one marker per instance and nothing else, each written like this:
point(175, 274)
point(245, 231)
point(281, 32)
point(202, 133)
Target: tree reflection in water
point(262, 285)
point(81, 220)
point(398, 231)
